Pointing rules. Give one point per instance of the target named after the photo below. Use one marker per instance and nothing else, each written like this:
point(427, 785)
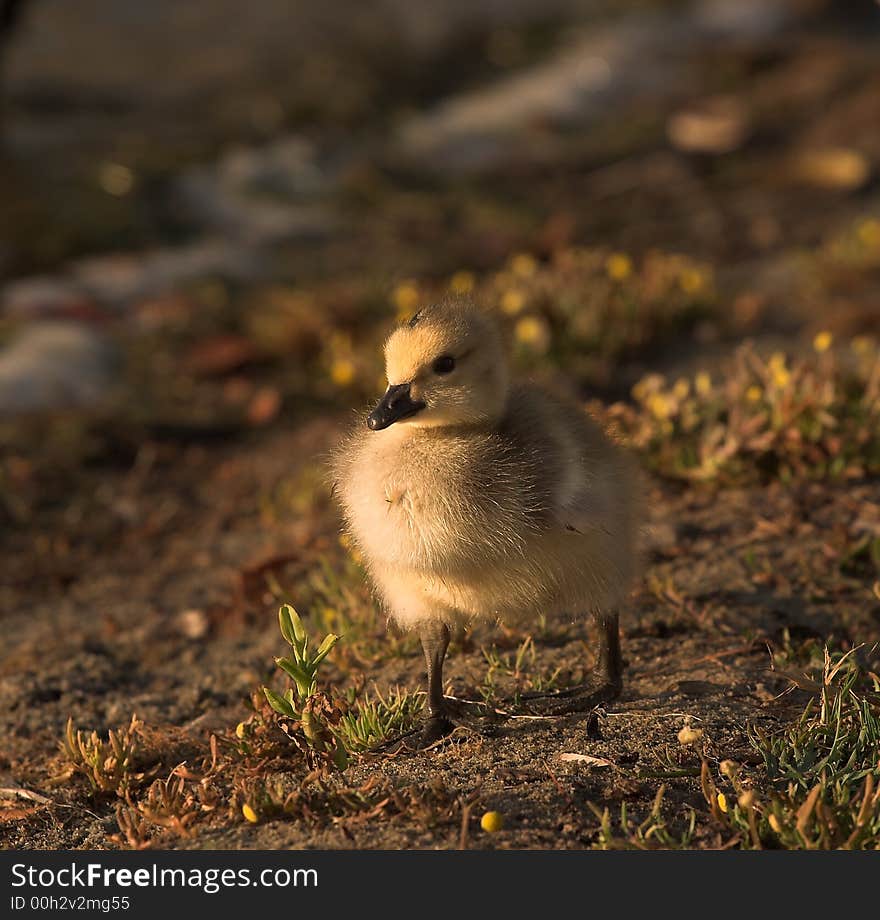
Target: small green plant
point(375, 718)
point(312, 712)
point(820, 789)
point(653, 833)
point(108, 765)
point(302, 668)
point(520, 667)
point(170, 805)
point(809, 418)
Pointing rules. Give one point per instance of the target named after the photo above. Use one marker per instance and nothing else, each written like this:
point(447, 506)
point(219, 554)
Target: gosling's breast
point(391, 502)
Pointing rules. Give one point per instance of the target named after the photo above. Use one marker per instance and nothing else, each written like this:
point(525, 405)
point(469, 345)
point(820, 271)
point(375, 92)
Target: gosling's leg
point(435, 642)
point(604, 683)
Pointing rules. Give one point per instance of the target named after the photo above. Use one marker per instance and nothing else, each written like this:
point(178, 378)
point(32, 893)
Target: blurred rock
point(641, 56)
point(260, 194)
point(120, 279)
point(42, 297)
point(53, 365)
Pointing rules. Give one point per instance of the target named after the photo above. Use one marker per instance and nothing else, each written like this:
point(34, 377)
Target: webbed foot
point(582, 698)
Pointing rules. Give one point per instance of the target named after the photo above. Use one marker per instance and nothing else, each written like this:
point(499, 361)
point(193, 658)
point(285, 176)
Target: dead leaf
point(587, 759)
point(833, 168)
point(217, 355)
point(264, 406)
point(689, 735)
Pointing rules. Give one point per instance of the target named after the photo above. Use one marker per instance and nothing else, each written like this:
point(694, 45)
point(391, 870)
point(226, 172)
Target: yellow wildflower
point(533, 331)
point(778, 371)
point(406, 298)
point(703, 383)
point(781, 377)
point(462, 282)
point(773, 821)
point(240, 730)
point(862, 345)
point(342, 371)
point(722, 802)
point(823, 341)
point(753, 393)
point(512, 302)
point(524, 265)
point(869, 232)
point(659, 405)
point(692, 281)
point(682, 388)
point(618, 266)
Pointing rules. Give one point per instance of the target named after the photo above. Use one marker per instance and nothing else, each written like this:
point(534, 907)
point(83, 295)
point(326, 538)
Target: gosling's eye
point(444, 365)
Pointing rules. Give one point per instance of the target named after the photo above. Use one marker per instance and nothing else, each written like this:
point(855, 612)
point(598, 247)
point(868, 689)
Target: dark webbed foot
point(456, 714)
point(594, 692)
point(604, 683)
point(432, 731)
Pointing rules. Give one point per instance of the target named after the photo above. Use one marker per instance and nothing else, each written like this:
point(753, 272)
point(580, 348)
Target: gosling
point(473, 498)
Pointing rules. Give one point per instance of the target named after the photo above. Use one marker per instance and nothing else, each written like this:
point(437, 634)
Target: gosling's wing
point(579, 465)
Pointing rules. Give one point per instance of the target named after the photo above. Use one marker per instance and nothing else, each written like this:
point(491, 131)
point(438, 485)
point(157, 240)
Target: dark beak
point(393, 406)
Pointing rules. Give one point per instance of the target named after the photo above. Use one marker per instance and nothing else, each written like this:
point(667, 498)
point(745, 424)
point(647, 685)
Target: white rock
point(52, 365)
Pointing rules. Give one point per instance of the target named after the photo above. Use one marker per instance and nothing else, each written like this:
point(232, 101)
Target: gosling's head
point(446, 366)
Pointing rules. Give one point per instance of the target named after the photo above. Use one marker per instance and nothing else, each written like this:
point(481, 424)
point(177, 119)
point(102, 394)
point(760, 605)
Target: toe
point(576, 699)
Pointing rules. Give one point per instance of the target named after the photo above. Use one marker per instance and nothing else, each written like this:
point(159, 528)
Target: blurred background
point(209, 216)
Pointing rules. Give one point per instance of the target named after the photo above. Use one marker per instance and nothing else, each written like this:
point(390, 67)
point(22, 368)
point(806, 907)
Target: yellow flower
point(681, 389)
point(778, 371)
point(869, 232)
point(618, 266)
point(342, 371)
point(249, 813)
point(773, 821)
point(512, 302)
point(753, 393)
point(406, 298)
point(524, 265)
point(823, 341)
point(462, 282)
point(533, 331)
point(492, 822)
point(862, 345)
point(239, 730)
point(692, 281)
point(722, 802)
point(703, 383)
point(659, 405)
point(781, 377)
